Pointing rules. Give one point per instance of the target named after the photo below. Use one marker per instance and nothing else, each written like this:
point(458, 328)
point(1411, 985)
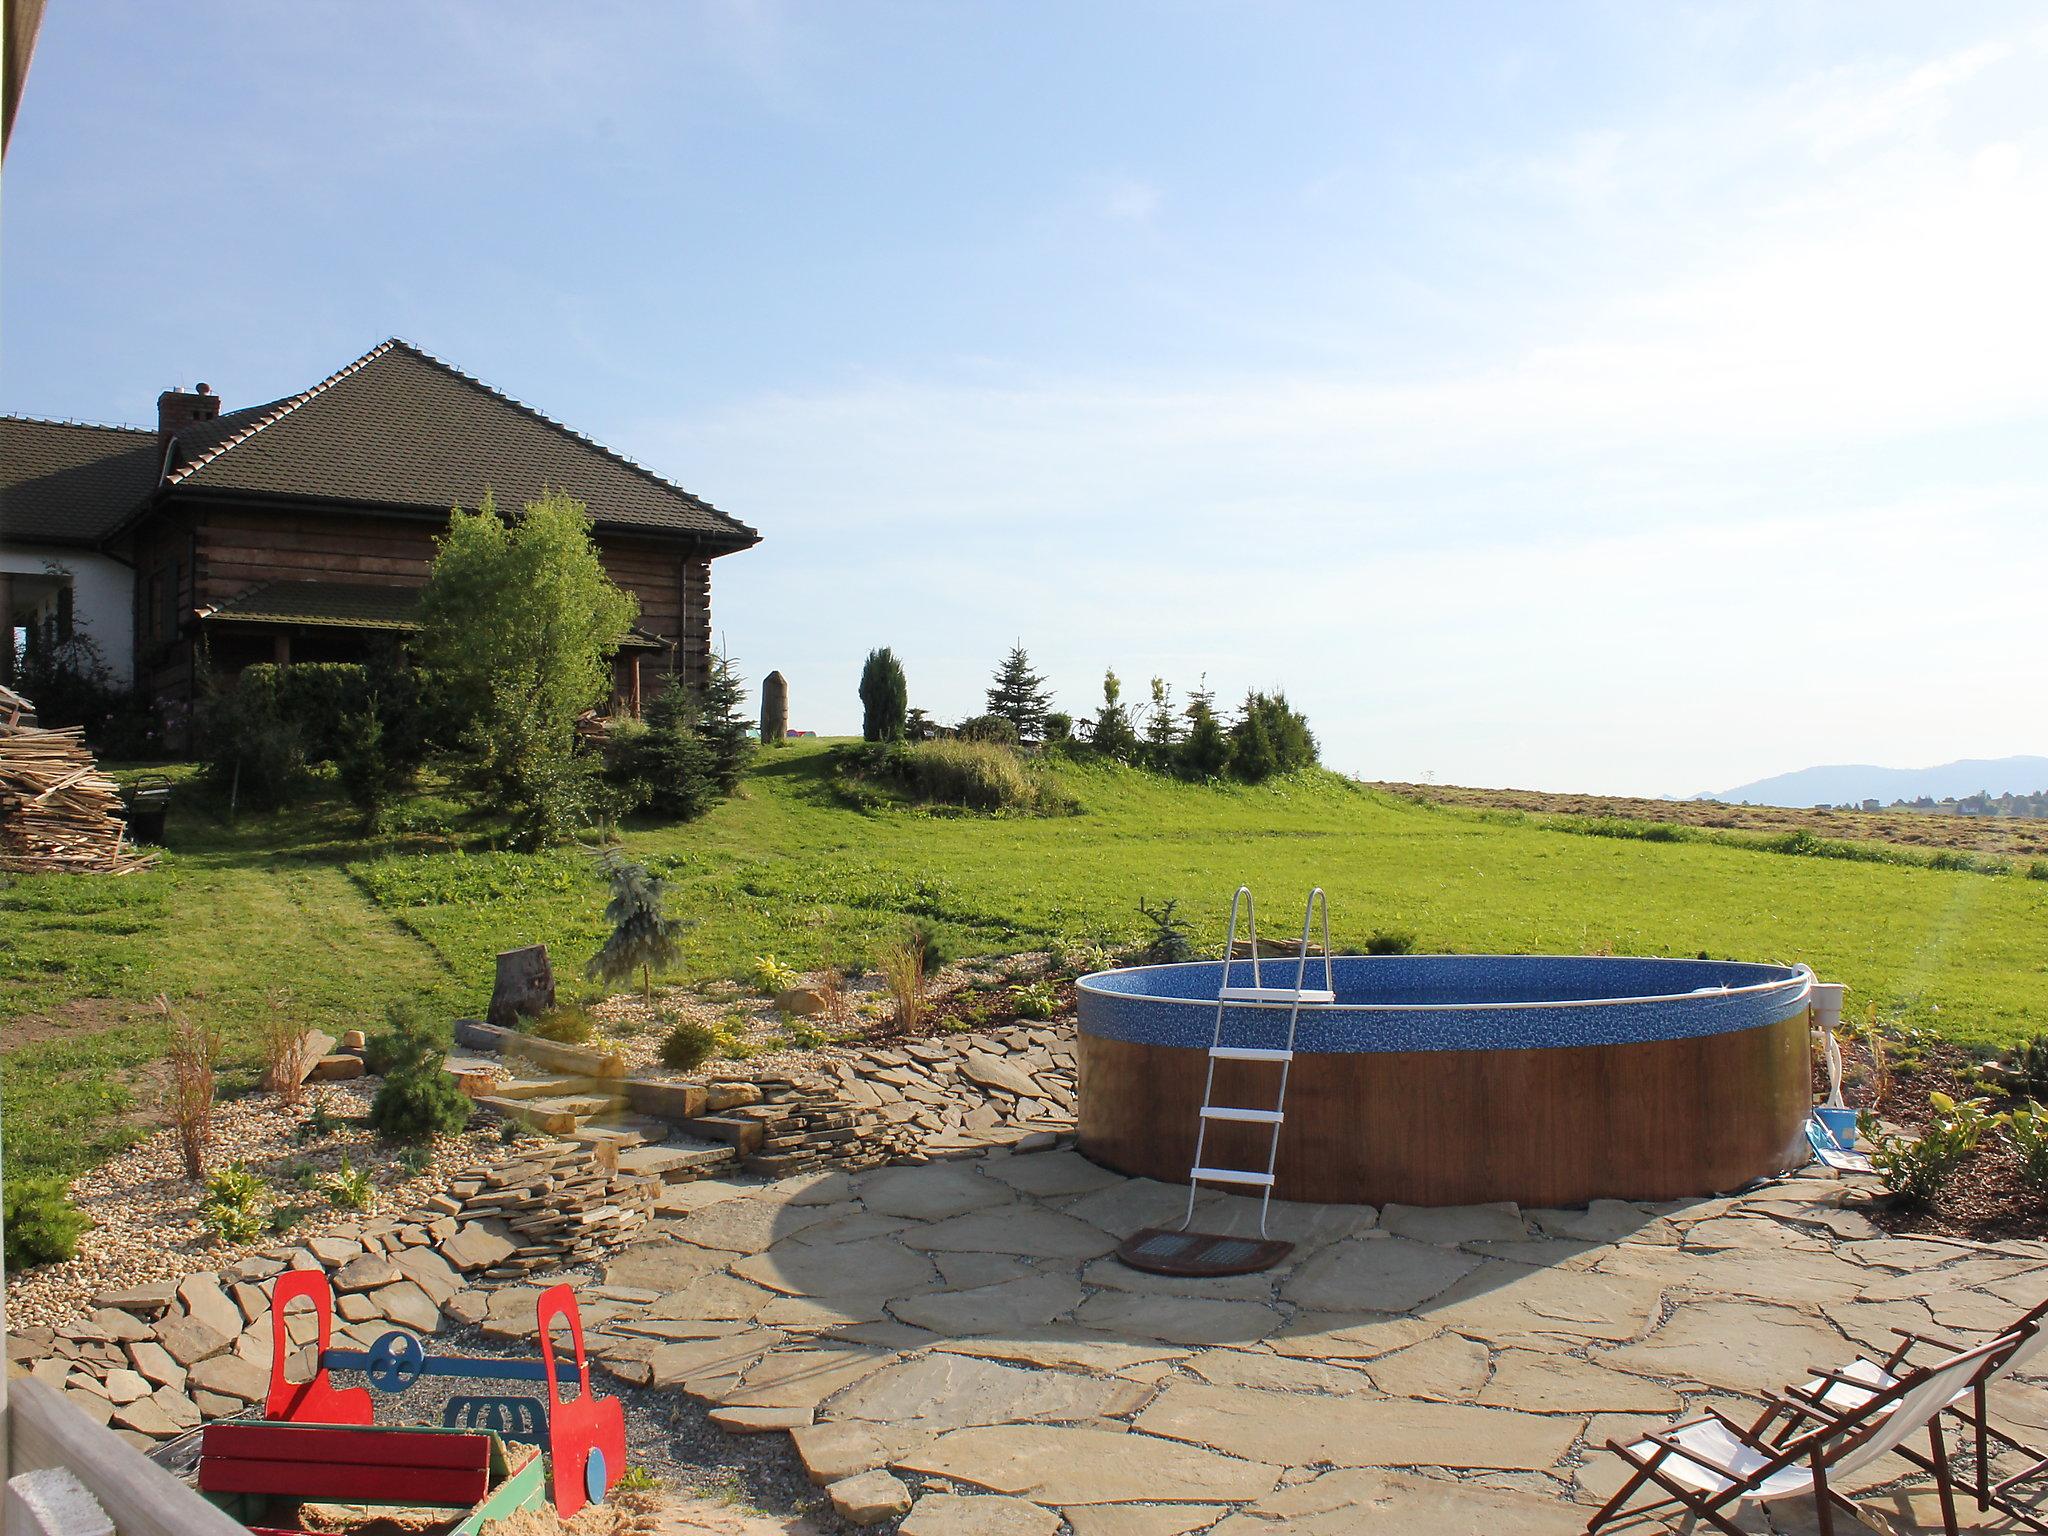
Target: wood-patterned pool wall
point(1651, 1120)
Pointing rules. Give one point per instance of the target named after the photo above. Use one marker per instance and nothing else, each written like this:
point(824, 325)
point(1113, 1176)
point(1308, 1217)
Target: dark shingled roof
point(63, 482)
point(324, 602)
point(346, 605)
point(398, 427)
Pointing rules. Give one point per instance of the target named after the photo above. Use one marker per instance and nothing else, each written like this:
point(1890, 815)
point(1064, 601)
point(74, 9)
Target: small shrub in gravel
point(233, 1210)
point(687, 1046)
point(418, 1101)
point(567, 1026)
point(350, 1189)
point(43, 1226)
point(1039, 1000)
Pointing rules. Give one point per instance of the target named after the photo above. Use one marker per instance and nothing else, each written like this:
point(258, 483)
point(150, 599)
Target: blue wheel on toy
point(593, 1477)
point(395, 1361)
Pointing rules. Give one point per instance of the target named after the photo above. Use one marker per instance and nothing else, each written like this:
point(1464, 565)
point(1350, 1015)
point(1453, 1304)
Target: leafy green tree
point(884, 697)
point(643, 936)
point(520, 622)
point(1020, 695)
point(1113, 736)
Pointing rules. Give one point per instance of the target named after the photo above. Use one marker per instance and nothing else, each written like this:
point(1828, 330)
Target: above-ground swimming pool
point(1456, 1079)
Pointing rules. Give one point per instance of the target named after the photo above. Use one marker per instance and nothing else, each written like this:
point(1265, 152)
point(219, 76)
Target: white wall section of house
point(102, 597)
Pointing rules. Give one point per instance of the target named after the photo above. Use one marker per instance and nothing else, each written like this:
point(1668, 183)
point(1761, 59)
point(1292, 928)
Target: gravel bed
point(145, 1212)
point(629, 1025)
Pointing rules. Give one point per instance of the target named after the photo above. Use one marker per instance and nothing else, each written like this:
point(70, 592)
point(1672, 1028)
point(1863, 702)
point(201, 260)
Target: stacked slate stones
point(562, 1202)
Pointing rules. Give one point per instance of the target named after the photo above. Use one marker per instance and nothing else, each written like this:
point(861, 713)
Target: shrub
point(43, 1226)
point(1268, 738)
point(980, 776)
point(350, 1189)
point(1916, 1170)
point(2024, 1074)
point(2026, 1132)
point(936, 948)
point(418, 1101)
point(1037, 1000)
point(234, 1208)
point(1169, 942)
point(193, 1053)
point(567, 1026)
point(1390, 941)
point(902, 967)
point(771, 976)
point(990, 728)
point(884, 697)
point(1059, 726)
point(688, 1045)
point(803, 1035)
point(2038, 870)
point(255, 756)
point(643, 935)
point(661, 764)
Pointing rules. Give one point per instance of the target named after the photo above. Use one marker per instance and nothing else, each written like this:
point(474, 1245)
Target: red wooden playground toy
point(585, 1437)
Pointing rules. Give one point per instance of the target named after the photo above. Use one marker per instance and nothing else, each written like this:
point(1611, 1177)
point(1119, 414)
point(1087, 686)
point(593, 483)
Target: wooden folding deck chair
point(1713, 1466)
point(1841, 1391)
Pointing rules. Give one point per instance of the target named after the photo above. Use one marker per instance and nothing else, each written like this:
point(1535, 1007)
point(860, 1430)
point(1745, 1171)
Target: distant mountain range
point(1852, 783)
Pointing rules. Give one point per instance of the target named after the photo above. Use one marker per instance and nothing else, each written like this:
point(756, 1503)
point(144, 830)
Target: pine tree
point(884, 697)
point(643, 936)
point(1205, 751)
point(1162, 725)
point(723, 725)
point(1020, 695)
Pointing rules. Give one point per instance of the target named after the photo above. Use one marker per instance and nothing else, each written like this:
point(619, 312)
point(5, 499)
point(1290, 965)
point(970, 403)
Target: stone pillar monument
point(774, 708)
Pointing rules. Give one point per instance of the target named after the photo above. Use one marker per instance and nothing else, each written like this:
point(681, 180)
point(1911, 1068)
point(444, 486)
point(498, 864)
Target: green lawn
point(294, 901)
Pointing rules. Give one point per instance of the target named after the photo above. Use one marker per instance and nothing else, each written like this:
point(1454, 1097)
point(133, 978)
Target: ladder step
point(1247, 1053)
point(1274, 995)
point(1243, 1116)
point(1233, 1176)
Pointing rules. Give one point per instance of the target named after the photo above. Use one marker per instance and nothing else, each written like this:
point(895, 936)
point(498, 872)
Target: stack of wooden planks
point(58, 812)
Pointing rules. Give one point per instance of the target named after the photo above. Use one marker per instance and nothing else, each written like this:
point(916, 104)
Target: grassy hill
point(294, 901)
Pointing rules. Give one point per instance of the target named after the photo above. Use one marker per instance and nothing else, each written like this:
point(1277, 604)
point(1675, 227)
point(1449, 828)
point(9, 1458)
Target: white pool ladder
point(1257, 996)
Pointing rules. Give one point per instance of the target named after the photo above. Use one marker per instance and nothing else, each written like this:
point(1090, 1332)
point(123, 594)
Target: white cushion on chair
point(1723, 1460)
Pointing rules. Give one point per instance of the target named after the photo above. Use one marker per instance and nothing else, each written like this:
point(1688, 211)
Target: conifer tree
point(1020, 695)
point(643, 936)
point(723, 725)
point(1162, 725)
point(884, 697)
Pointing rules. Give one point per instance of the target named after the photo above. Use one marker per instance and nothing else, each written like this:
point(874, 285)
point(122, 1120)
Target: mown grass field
point(295, 901)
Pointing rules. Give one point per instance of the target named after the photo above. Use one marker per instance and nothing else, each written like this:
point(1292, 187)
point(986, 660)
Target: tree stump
point(774, 708)
point(525, 985)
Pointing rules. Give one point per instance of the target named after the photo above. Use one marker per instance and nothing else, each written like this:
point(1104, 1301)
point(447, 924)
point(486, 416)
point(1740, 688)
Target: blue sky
point(1610, 397)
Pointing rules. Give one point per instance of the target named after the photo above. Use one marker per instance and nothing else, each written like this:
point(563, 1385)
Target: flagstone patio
point(954, 1339)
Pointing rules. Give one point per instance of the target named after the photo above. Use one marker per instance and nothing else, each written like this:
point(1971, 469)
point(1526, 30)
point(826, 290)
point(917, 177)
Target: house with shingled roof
point(303, 529)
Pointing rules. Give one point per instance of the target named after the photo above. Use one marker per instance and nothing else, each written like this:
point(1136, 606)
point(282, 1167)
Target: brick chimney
point(177, 410)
